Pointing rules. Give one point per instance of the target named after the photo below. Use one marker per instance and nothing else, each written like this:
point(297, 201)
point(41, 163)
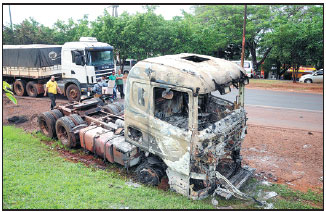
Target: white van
point(248, 66)
point(128, 64)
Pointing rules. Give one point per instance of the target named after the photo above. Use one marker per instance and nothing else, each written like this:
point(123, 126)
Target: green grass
point(291, 199)
point(35, 176)
point(264, 81)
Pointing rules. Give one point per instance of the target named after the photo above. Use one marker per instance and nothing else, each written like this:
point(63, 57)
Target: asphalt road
point(293, 110)
point(279, 99)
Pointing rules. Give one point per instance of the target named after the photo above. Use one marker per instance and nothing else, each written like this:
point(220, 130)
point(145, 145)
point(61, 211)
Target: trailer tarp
point(31, 56)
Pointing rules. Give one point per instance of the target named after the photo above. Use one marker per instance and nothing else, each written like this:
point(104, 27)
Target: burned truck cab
point(171, 115)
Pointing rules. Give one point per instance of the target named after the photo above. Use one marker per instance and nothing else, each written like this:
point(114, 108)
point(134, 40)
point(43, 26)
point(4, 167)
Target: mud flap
point(232, 186)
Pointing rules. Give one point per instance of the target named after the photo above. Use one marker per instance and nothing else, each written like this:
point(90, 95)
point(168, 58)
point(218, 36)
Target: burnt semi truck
point(169, 125)
point(76, 65)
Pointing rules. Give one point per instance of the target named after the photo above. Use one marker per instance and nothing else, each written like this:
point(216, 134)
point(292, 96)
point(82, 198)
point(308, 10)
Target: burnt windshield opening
point(171, 106)
point(212, 109)
point(195, 59)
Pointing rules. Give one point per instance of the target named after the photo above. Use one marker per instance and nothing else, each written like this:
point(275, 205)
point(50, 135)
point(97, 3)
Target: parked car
point(128, 64)
point(316, 76)
point(248, 66)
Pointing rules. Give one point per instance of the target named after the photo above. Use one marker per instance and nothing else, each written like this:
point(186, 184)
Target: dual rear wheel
point(54, 124)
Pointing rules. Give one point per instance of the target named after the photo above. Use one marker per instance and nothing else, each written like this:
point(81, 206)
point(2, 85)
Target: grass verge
point(35, 177)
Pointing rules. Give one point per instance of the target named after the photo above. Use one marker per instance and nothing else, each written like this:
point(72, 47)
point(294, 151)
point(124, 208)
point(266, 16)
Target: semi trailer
point(77, 66)
point(169, 125)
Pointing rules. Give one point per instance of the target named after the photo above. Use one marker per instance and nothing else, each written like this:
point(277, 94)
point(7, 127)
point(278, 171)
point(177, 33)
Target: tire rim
point(73, 94)
point(149, 177)
point(44, 127)
point(19, 88)
point(31, 90)
point(62, 134)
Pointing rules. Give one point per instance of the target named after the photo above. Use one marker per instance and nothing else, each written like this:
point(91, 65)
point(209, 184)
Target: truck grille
point(100, 73)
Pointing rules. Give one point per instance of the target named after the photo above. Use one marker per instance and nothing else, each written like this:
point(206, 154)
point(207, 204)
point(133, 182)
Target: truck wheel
point(20, 87)
point(148, 175)
point(113, 109)
point(46, 122)
point(73, 93)
point(119, 105)
point(63, 128)
point(56, 113)
point(76, 119)
point(31, 89)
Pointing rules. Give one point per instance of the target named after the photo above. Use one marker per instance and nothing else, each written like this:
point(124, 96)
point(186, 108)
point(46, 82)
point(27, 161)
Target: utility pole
point(244, 36)
point(10, 18)
point(241, 88)
point(115, 10)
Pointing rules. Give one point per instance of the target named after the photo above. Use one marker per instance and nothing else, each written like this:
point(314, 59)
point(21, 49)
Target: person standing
point(113, 78)
point(119, 83)
point(52, 89)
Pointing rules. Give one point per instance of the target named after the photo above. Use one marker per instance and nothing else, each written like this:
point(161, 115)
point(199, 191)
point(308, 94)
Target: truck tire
point(113, 109)
point(56, 113)
point(148, 174)
point(76, 119)
point(63, 128)
point(20, 87)
point(31, 89)
point(46, 122)
point(119, 105)
point(73, 93)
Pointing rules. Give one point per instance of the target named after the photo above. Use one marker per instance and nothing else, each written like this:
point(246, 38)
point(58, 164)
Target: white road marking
point(286, 108)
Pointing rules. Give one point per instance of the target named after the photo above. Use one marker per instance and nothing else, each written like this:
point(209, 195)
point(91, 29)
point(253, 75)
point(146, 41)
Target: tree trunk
point(252, 48)
point(121, 63)
point(295, 73)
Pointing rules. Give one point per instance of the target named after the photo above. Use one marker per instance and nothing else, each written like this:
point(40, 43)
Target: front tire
point(73, 93)
point(308, 81)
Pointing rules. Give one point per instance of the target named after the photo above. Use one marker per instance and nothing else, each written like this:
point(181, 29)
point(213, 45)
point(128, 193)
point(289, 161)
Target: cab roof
point(189, 70)
point(81, 45)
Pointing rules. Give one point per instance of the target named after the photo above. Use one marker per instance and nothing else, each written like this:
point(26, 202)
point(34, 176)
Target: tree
point(297, 38)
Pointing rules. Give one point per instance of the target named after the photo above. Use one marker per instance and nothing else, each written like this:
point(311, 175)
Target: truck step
point(239, 179)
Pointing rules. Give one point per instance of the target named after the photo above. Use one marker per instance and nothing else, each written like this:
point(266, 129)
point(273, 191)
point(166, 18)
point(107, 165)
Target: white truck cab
point(86, 61)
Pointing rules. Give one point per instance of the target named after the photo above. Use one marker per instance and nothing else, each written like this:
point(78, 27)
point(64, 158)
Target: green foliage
point(296, 37)
point(279, 34)
point(6, 88)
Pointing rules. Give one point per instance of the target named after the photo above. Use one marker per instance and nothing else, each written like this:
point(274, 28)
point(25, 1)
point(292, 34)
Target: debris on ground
point(269, 206)
point(225, 208)
point(321, 178)
point(270, 194)
point(310, 133)
point(214, 202)
point(132, 184)
point(17, 119)
point(306, 146)
point(266, 183)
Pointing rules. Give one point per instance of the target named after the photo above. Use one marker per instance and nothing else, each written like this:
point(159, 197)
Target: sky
point(49, 14)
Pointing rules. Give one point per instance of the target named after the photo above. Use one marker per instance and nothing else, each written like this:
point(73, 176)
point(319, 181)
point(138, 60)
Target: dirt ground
point(286, 156)
point(289, 86)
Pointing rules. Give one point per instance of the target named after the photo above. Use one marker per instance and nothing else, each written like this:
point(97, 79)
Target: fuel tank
point(109, 146)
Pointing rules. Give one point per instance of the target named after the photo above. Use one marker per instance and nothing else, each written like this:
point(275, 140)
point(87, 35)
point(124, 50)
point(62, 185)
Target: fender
point(63, 84)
